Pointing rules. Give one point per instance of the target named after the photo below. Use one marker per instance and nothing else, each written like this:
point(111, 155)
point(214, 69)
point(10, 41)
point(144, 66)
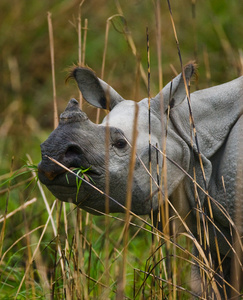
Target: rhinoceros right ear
point(94, 90)
point(174, 92)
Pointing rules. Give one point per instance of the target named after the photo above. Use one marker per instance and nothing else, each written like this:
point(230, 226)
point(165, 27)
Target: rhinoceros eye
point(121, 143)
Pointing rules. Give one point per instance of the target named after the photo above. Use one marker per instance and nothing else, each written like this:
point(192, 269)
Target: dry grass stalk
point(23, 206)
point(55, 111)
point(81, 48)
point(157, 9)
point(131, 43)
point(128, 202)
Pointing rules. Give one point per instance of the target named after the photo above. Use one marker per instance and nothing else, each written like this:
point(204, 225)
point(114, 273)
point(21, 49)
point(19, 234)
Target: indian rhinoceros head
point(106, 148)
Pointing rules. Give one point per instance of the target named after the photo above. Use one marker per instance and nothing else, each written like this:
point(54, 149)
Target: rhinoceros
point(194, 141)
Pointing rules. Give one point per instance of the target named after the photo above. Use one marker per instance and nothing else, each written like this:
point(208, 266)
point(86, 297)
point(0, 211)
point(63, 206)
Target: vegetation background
point(209, 32)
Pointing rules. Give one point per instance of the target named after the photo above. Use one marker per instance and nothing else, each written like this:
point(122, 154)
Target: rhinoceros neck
point(215, 111)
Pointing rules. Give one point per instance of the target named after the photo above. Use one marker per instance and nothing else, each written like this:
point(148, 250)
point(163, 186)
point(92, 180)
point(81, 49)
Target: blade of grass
point(4, 217)
point(35, 251)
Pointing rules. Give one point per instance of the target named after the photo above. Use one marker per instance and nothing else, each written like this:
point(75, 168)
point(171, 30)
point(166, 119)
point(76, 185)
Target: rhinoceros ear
point(94, 90)
point(174, 92)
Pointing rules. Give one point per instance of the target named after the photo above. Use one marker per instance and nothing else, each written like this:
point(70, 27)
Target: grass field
point(52, 250)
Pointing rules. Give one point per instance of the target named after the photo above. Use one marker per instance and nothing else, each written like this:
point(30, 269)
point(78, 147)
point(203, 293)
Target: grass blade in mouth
point(81, 173)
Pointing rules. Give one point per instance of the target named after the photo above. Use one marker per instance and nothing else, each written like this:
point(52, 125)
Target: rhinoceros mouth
point(70, 166)
point(66, 186)
point(69, 179)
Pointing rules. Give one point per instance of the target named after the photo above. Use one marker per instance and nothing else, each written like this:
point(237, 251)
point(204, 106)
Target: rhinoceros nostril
point(73, 150)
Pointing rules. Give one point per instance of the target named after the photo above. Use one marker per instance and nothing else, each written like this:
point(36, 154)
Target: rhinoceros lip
point(67, 189)
point(68, 179)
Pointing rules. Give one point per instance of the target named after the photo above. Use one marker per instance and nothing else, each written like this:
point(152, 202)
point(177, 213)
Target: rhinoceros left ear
point(174, 92)
point(94, 90)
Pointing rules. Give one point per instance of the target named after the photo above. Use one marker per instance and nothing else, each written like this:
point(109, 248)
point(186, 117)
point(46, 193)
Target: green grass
point(81, 175)
point(84, 269)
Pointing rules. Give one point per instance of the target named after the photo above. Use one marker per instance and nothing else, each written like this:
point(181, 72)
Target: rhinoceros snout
point(72, 157)
point(48, 174)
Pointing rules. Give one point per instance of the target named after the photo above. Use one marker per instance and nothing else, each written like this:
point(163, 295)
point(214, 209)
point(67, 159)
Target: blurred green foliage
point(204, 28)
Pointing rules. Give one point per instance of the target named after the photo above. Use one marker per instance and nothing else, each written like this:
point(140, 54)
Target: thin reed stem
point(51, 39)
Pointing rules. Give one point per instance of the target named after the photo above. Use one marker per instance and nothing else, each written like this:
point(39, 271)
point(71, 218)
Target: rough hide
point(216, 151)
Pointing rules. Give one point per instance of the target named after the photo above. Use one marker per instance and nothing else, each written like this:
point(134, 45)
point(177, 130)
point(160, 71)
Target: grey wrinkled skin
point(217, 114)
